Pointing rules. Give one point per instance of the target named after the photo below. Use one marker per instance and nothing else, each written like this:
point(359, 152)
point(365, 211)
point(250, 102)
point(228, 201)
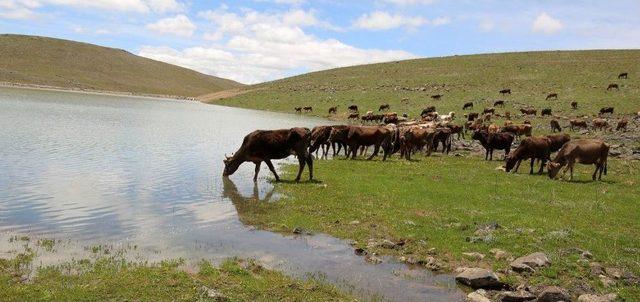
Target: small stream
point(92, 169)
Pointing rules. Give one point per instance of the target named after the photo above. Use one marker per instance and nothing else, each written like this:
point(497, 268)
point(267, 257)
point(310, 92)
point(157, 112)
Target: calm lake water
point(100, 169)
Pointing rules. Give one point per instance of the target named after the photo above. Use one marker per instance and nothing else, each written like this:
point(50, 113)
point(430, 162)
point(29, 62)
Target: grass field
point(68, 64)
point(111, 279)
point(582, 76)
point(441, 201)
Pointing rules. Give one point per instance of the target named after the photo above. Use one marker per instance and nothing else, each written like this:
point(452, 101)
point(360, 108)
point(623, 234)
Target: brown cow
point(555, 126)
point(264, 145)
point(498, 104)
point(574, 105)
point(442, 135)
point(518, 130)
point(415, 139)
point(308, 109)
point(428, 110)
point(530, 148)
point(384, 107)
point(623, 75)
point(456, 129)
point(556, 141)
point(298, 109)
point(507, 115)
point(353, 108)
point(333, 110)
point(338, 136)
point(491, 142)
point(472, 116)
point(490, 110)
point(467, 105)
point(552, 96)
point(493, 128)
point(363, 136)
point(529, 111)
point(604, 110)
point(600, 124)
point(583, 151)
point(546, 111)
point(505, 91)
point(354, 116)
point(320, 139)
point(436, 97)
point(613, 86)
point(622, 124)
point(577, 123)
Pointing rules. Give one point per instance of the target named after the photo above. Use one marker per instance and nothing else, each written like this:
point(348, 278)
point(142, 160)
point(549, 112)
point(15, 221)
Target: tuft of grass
point(438, 204)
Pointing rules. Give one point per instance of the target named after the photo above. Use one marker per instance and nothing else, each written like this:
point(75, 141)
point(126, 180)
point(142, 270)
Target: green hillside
point(582, 76)
point(67, 64)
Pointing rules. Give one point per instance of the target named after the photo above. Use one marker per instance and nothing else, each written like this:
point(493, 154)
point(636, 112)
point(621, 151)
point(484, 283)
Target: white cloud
point(179, 25)
point(25, 9)
point(11, 9)
point(380, 20)
point(409, 2)
point(486, 25)
point(546, 24)
point(253, 47)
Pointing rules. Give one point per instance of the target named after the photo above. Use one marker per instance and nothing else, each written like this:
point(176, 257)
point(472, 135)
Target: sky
point(253, 41)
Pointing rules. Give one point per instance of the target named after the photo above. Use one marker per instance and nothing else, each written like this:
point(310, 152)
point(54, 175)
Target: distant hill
point(407, 86)
point(67, 64)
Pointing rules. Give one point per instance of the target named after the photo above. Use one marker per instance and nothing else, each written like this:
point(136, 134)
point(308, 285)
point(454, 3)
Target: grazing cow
point(338, 136)
point(577, 123)
point(623, 75)
point(391, 119)
point(264, 145)
point(491, 142)
point(552, 96)
point(364, 136)
point(574, 105)
point(384, 107)
point(583, 151)
point(490, 110)
point(472, 116)
point(622, 124)
point(415, 139)
point(456, 129)
point(529, 111)
point(320, 139)
point(600, 124)
point(447, 117)
point(546, 111)
point(308, 109)
point(530, 148)
point(556, 141)
point(507, 115)
point(354, 116)
point(333, 110)
point(298, 109)
point(493, 128)
point(505, 91)
point(442, 135)
point(353, 108)
point(518, 130)
point(604, 110)
point(436, 97)
point(498, 104)
point(613, 86)
point(467, 105)
point(555, 126)
point(428, 110)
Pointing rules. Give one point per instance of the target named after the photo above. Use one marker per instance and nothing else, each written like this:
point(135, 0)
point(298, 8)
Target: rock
point(477, 296)
point(354, 222)
point(214, 294)
point(530, 262)
point(473, 256)
point(479, 239)
point(360, 252)
point(499, 254)
point(516, 296)
point(387, 244)
point(613, 272)
point(372, 259)
point(479, 278)
point(607, 281)
point(586, 255)
point(595, 298)
point(596, 269)
point(554, 294)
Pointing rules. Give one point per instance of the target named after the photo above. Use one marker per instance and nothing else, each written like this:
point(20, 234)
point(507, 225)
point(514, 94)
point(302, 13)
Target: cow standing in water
point(264, 145)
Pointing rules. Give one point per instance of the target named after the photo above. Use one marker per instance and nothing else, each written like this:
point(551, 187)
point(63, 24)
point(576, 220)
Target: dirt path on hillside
point(225, 94)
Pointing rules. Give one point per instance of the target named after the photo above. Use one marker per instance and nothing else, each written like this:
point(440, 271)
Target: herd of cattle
point(391, 134)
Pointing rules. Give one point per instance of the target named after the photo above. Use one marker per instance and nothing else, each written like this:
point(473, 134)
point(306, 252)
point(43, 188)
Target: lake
point(92, 169)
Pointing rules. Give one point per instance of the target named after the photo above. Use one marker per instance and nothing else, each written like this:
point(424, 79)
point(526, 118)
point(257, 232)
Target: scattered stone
point(479, 278)
point(354, 222)
point(372, 259)
point(473, 256)
point(530, 262)
point(499, 254)
point(607, 281)
point(595, 298)
point(516, 296)
point(480, 239)
point(478, 296)
point(586, 255)
point(596, 269)
point(387, 244)
point(432, 251)
point(360, 252)
point(554, 294)
point(214, 294)
point(613, 272)
point(431, 263)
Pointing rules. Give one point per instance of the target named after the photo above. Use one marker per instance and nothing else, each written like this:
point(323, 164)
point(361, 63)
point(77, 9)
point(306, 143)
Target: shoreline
point(98, 92)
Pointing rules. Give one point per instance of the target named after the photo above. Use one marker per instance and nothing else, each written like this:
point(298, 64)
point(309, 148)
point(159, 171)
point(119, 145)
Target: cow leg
point(491, 155)
point(515, 170)
point(301, 163)
point(310, 164)
point(255, 177)
point(376, 149)
point(571, 171)
point(533, 160)
point(354, 151)
point(595, 173)
point(273, 170)
point(543, 162)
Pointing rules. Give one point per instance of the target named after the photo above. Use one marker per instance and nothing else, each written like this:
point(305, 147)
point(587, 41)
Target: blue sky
point(259, 40)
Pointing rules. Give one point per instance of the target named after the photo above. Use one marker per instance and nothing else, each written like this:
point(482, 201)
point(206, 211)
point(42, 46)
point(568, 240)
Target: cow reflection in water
point(245, 205)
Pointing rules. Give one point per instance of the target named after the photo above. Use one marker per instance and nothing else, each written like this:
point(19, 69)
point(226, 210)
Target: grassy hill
point(575, 75)
point(68, 64)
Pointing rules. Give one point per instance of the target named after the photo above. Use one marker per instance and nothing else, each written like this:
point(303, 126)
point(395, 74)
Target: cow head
point(230, 165)
point(510, 162)
point(553, 169)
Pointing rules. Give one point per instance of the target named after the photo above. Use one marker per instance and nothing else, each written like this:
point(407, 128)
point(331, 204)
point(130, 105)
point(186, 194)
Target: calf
point(613, 86)
point(552, 96)
point(604, 110)
point(622, 124)
point(583, 151)
point(546, 111)
point(530, 148)
point(467, 105)
point(555, 126)
point(491, 142)
point(265, 145)
point(577, 123)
